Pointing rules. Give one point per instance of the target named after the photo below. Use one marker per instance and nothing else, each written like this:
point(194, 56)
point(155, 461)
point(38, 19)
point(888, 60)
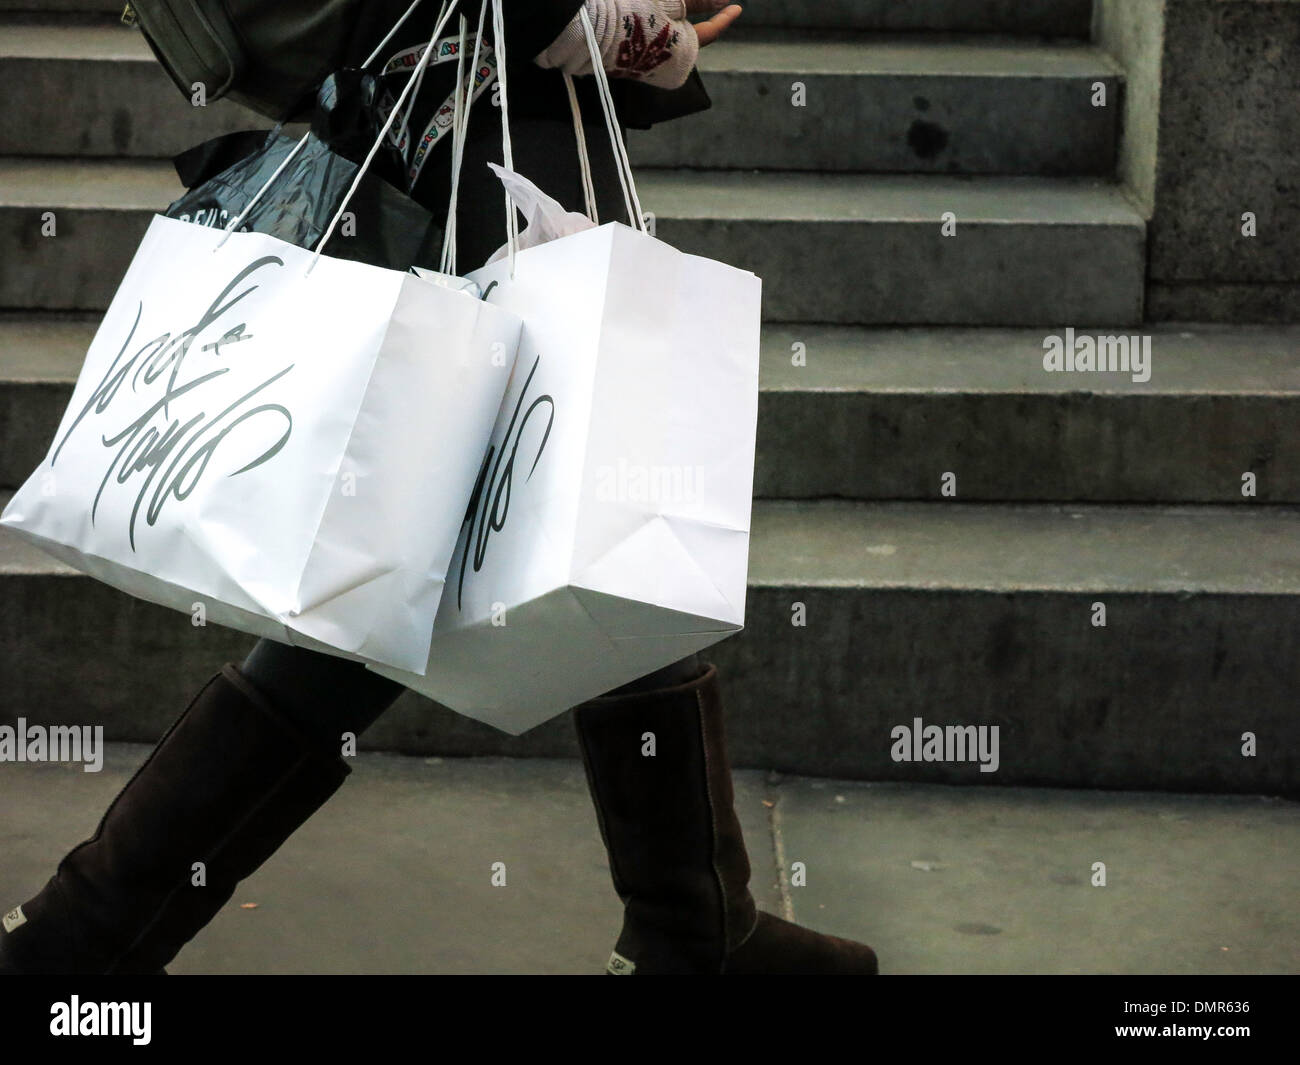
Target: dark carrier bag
point(225, 175)
point(269, 55)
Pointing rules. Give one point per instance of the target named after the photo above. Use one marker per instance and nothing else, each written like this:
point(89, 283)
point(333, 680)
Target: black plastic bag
point(386, 228)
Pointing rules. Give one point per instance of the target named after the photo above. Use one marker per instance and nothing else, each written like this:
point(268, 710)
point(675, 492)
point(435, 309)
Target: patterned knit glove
point(649, 40)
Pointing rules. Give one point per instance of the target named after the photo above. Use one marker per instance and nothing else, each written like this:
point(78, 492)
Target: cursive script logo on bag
point(489, 505)
point(161, 454)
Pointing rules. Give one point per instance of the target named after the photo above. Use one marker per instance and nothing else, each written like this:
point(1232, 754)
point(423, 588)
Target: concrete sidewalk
point(394, 875)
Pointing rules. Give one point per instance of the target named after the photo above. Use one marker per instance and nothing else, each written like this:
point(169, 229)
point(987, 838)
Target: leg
point(323, 695)
point(675, 846)
point(237, 773)
point(680, 672)
point(668, 823)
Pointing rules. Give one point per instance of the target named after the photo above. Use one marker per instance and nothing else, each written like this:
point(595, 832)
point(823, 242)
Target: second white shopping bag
point(609, 531)
point(274, 441)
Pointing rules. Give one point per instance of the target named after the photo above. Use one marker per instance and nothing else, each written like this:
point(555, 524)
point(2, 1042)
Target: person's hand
point(713, 28)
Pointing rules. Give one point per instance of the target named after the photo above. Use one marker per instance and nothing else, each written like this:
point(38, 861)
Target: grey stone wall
point(1133, 32)
point(1229, 143)
point(1211, 136)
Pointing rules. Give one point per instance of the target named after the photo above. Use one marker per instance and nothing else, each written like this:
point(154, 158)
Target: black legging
point(328, 696)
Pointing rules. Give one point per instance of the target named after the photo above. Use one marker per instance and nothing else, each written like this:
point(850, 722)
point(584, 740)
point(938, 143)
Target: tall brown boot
point(675, 845)
point(227, 784)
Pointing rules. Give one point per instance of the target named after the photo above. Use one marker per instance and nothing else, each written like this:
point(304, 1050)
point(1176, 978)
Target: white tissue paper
point(547, 218)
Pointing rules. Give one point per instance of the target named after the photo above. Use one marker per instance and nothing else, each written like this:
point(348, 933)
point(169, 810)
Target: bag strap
point(392, 117)
point(624, 165)
point(626, 179)
point(459, 123)
point(507, 152)
point(584, 161)
point(418, 76)
point(444, 15)
point(379, 48)
point(460, 126)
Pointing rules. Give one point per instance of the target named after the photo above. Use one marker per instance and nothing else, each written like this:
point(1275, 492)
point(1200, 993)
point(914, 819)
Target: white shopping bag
point(609, 531)
point(280, 443)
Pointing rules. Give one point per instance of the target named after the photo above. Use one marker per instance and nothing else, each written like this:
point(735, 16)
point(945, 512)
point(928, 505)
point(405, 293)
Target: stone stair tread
point(827, 197)
point(57, 39)
point(44, 349)
point(18, 558)
point(814, 53)
point(882, 103)
point(775, 195)
point(1188, 358)
point(879, 54)
point(1191, 358)
point(1027, 547)
point(67, 12)
point(1020, 17)
point(1011, 855)
point(995, 548)
point(930, 16)
point(119, 184)
point(1026, 256)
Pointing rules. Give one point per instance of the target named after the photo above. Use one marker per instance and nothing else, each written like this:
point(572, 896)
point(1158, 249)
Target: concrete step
point(960, 880)
point(97, 90)
point(956, 614)
point(881, 414)
point(100, 10)
point(870, 105)
point(887, 105)
point(94, 212)
point(884, 413)
point(1050, 18)
point(849, 248)
point(839, 248)
point(1065, 18)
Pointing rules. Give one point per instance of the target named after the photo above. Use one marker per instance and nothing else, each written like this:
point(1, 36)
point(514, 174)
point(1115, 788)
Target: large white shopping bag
point(274, 441)
point(609, 531)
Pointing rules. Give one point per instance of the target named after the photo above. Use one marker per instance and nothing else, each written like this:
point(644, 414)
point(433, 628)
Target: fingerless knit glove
point(649, 40)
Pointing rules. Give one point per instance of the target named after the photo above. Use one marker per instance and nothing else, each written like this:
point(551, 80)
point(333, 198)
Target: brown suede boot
point(227, 784)
point(675, 846)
